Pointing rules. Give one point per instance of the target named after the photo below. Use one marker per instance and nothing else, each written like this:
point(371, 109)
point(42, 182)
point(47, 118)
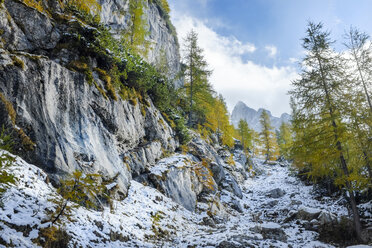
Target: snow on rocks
point(148, 218)
point(274, 231)
point(276, 193)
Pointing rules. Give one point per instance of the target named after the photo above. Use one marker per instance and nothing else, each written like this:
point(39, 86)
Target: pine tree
point(321, 135)
point(285, 140)
point(196, 75)
point(268, 137)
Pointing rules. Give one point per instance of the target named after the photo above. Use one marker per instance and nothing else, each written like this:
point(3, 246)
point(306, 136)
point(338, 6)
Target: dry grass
point(38, 5)
point(103, 75)
point(18, 62)
point(9, 108)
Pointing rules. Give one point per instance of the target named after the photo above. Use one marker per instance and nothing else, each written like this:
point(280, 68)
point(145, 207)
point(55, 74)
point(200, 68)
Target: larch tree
point(245, 134)
point(321, 134)
point(196, 75)
point(360, 76)
point(285, 140)
point(360, 49)
point(135, 35)
point(268, 137)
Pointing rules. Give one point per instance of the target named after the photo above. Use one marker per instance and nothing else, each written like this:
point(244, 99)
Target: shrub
point(6, 141)
point(18, 62)
point(52, 237)
point(104, 76)
point(81, 189)
point(9, 108)
point(35, 4)
point(6, 178)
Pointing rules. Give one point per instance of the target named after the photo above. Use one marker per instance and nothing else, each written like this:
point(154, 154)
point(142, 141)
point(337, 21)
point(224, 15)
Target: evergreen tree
point(268, 137)
point(196, 76)
point(285, 140)
point(321, 136)
point(245, 134)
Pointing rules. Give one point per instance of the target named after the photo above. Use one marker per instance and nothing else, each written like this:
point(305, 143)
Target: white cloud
point(272, 50)
point(293, 60)
point(256, 85)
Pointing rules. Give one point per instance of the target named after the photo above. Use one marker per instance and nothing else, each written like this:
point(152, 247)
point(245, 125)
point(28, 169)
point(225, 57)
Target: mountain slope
point(276, 210)
point(242, 111)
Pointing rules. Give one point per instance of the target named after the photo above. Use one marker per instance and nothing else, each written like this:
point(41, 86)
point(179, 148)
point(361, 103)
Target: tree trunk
point(191, 87)
point(60, 212)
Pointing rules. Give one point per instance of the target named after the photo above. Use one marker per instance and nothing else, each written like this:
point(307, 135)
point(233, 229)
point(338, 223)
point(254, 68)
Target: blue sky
point(253, 46)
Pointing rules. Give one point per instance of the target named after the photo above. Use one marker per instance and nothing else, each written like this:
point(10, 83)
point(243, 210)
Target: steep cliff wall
point(163, 39)
point(73, 125)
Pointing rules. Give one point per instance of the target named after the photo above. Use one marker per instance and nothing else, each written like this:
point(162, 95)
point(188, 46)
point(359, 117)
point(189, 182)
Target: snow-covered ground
point(147, 218)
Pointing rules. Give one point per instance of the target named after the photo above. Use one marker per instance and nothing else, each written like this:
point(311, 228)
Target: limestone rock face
point(72, 124)
point(75, 127)
point(115, 14)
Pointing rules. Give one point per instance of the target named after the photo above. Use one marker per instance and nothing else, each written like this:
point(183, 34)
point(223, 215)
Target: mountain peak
point(252, 116)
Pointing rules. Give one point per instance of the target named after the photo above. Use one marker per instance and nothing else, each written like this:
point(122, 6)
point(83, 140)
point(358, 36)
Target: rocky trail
point(278, 211)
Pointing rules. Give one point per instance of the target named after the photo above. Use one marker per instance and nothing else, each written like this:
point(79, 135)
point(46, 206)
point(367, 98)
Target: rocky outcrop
point(162, 36)
point(182, 179)
point(73, 125)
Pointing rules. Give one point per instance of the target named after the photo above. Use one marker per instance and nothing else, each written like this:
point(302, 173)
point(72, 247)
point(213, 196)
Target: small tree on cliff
point(135, 35)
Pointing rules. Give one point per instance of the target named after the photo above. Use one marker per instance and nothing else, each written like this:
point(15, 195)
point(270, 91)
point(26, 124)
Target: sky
point(254, 46)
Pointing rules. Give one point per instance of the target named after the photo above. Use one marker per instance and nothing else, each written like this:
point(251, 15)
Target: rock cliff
point(72, 124)
point(67, 123)
point(162, 34)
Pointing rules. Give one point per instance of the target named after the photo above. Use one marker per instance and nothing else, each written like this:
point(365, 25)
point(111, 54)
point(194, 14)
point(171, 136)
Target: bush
point(18, 62)
point(52, 237)
point(6, 178)
point(80, 189)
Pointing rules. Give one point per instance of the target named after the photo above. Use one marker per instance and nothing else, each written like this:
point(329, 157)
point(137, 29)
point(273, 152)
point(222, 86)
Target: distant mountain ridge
point(242, 111)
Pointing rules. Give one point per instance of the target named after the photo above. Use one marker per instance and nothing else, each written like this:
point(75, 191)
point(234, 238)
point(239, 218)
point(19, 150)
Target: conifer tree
point(218, 121)
point(135, 35)
point(245, 134)
point(285, 140)
point(361, 59)
point(196, 74)
point(321, 136)
point(268, 137)
point(360, 78)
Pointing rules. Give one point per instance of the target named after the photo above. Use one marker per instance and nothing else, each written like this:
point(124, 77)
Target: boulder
point(177, 179)
point(272, 230)
point(326, 218)
point(306, 213)
point(276, 193)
